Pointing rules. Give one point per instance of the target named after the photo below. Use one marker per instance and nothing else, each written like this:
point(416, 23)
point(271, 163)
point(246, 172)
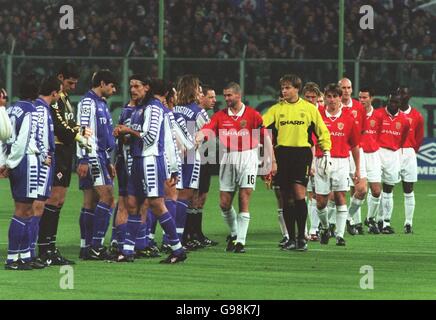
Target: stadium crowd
point(221, 29)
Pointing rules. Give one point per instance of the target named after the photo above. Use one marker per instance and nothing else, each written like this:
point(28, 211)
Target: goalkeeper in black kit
point(67, 132)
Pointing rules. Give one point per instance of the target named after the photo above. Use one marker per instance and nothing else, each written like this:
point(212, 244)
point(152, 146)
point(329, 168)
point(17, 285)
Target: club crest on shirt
point(354, 113)
point(398, 125)
point(372, 123)
point(340, 125)
point(243, 123)
point(302, 115)
point(282, 115)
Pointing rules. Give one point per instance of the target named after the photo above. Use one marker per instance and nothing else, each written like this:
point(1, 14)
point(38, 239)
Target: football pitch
point(403, 265)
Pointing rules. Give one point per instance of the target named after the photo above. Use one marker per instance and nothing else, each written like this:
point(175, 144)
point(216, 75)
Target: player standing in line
point(393, 134)
point(139, 85)
point(409, 166)
point(312, 93)
point(370, 146)
point(95, 170)
point(207, 102)
point(149, 172)
point(66, 132)
point(188, 95)
point(358, 192)
point(20, 164)
point(238, 129)
point(345, 138)
point(295, 119)
point(48, 94)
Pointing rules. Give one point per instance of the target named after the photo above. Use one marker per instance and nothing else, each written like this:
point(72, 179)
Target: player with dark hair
point(345, 138)
point(295, 120)
point(394, 131)
point(20, 163)
point(150, 171)
point(409, 166)
point(139, 85)
point(66, 132)
point(95, 170)
point(207, 102)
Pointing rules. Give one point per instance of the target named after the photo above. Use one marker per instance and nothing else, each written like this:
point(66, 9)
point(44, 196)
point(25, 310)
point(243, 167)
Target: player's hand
point(87, 132)
point(112, 171)
point(122, 129)
point(325, 164)
point(199, 139)
point(47, 161)
point(82, 170)
point(116, 132)
point(172, 181)
point(4, 172)
point(274, 168)
point(268, 181)
point(356, 177)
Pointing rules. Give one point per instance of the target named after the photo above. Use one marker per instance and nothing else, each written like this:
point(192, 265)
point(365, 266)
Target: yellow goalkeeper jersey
point(295, 123)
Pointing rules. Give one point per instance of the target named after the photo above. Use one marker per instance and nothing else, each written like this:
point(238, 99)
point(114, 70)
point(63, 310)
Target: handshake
point(82, 139)
point(325, 164)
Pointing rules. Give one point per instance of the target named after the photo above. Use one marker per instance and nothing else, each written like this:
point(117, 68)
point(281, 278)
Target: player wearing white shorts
point(409, 166)
point(371, 154)
point(238, 127)
point(358, 192)
point(333, 176)
point(394, 128)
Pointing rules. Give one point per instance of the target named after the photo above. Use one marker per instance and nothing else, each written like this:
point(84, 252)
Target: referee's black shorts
point(63, 165)
point(293, 166)
point(205, 175)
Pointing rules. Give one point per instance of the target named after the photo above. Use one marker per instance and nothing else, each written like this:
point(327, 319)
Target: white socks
point(243, 222)
point(322, 215)
point(387, 207)
point(409, 207)
point(331, 208)
point(354, 210)
point(282, 223)
point(230, 219)
point(314, 220)
point(341, 219)
point(373, 206)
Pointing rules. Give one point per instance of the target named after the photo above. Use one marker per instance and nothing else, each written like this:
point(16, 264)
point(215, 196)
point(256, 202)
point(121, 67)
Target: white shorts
point(238, 169)
point(363, 173)
point(339, 179)
point(390, 164)
point(310, 184)
point(408, 165)
point(373, 166)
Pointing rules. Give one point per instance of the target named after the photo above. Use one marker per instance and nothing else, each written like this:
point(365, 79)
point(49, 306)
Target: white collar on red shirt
point(408, 110)
point(239, 114)
point(348, 105)
point(337, 115)
point(371, 112)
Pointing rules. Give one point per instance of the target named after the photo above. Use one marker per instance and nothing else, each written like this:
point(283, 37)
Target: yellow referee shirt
point(295, 123)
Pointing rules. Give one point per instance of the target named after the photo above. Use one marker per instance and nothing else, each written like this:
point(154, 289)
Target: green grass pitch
point(403, 264)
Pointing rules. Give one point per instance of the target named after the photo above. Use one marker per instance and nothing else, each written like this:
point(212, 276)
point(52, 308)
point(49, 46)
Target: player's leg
point(171, 194)
point(356, 201)
point(282, 224)
point(331, 214)
point(341, 216)
point(409, 205)
point(230, 217)
point(409, 175)
point(374, 197)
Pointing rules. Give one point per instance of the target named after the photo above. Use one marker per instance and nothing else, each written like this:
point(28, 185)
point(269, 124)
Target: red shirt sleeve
point(419, 132)
point(354, 138)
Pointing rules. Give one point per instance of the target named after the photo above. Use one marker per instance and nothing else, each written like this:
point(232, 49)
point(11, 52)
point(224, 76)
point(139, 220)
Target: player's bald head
point(345, 82)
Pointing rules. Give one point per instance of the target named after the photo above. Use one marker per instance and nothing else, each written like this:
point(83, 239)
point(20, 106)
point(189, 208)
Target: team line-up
point(162, 151)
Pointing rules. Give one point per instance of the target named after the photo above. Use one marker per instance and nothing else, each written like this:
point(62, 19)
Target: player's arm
point(321, 131)
point(419, 133)
point(85, 117)
point(182, 134)
point(202, 119)
point(354, 142)
point(40, 131)
point(5, 125)
point(209, 130)
point(20, 143)
point(150, 130)
point(405, 133)
point(268, 118)
point(62, 129)
point(171, 149)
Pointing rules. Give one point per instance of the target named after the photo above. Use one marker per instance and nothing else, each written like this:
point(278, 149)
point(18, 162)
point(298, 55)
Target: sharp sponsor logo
point(295, 123)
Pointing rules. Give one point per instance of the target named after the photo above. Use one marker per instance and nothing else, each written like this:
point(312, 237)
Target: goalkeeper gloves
point(83, 143)
point(325, 164)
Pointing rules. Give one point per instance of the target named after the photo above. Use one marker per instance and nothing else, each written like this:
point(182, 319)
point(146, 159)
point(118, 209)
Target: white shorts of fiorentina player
point(390, 165)
point(373, 166)
point(408, 165)
point(238, 169)
point(363, 171)
point(338, 180)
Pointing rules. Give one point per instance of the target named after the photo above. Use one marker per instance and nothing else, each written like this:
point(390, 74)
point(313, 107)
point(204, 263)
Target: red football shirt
point(236, 131)
point(371, 129)
point(393, 129)
point(358, 112)
point(416, 132)
point(343, 133)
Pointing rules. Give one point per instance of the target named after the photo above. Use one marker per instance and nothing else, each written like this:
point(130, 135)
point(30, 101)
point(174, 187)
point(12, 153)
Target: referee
point(66, 132)
point(295, 120)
